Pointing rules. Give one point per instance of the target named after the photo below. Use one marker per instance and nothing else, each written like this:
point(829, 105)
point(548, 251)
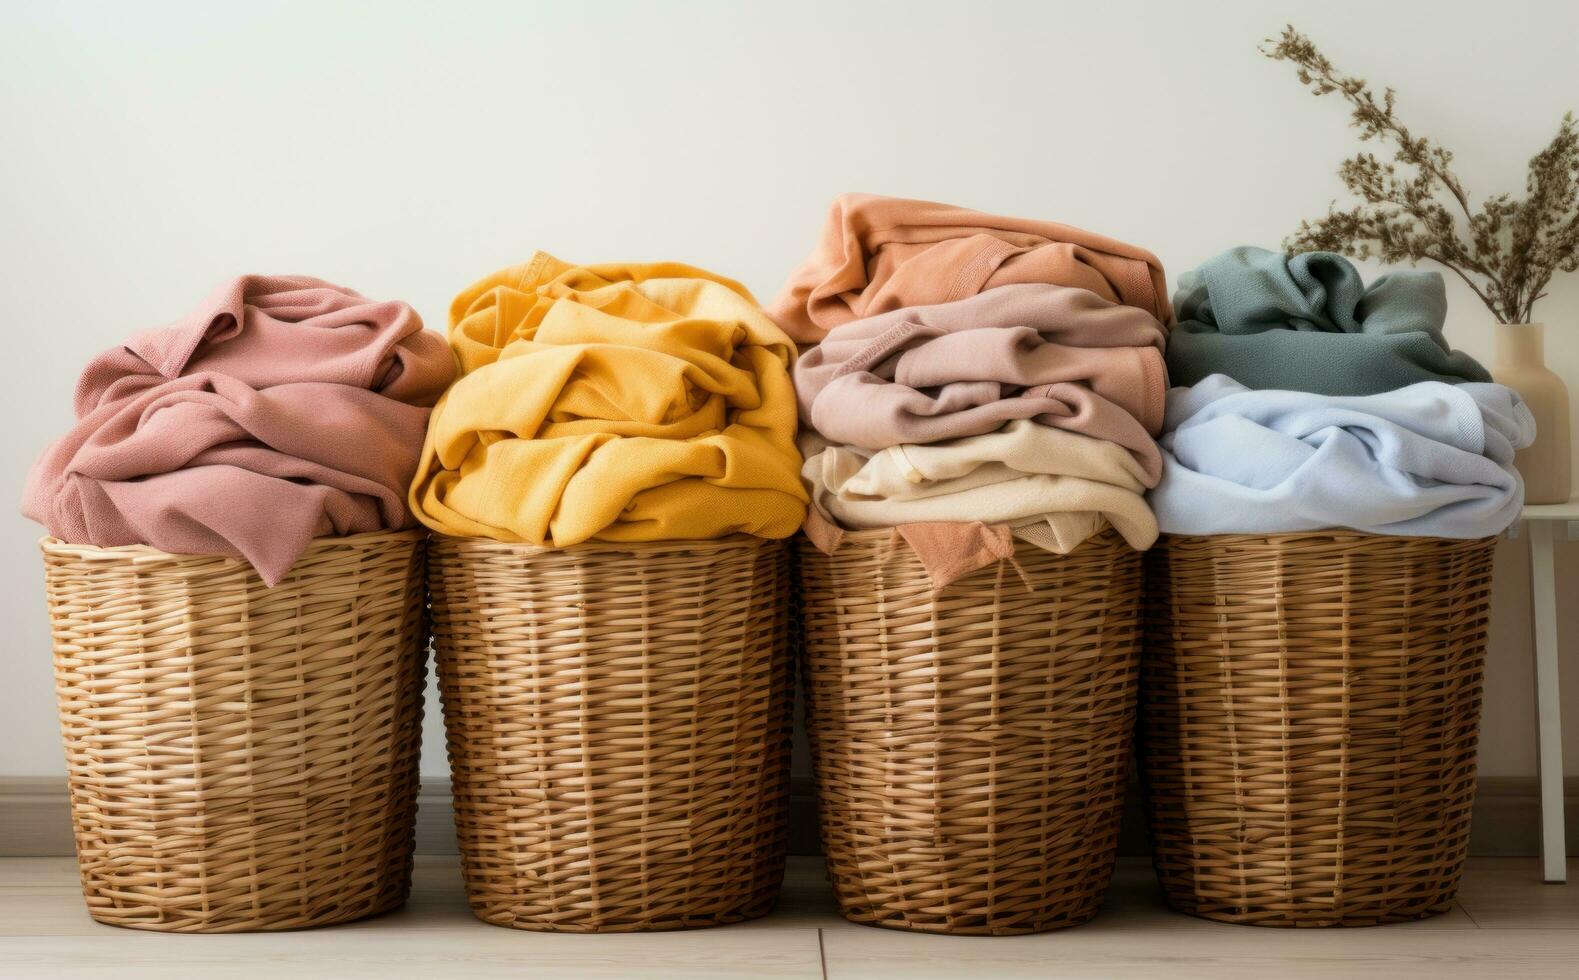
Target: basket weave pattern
point(971, 746)
point(618, 727)
point(1310, 708)
point(240, 757)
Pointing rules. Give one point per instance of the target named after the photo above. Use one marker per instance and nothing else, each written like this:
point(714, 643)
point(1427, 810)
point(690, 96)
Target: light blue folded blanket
point(1432, 460)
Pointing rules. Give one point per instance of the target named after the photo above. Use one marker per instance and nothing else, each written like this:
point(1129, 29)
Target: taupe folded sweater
point(1058, 355)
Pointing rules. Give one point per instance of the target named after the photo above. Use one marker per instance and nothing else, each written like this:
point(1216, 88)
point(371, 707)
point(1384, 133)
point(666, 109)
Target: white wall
point(149, 150)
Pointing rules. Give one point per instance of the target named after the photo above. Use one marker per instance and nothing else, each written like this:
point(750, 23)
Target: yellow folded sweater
point(612, 402)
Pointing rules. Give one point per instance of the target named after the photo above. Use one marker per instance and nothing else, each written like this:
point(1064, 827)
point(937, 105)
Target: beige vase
point(1521, 365)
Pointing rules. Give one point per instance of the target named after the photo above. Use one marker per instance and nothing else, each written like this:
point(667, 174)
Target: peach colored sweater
point(877, 254)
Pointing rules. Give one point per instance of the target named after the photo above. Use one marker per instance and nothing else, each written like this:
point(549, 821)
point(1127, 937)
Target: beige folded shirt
point(1053, 488)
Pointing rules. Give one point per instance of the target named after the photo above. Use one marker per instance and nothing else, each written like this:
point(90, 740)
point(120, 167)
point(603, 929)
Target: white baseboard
point(35, 820)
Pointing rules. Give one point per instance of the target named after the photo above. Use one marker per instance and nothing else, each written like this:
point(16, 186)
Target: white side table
point(1545, 521)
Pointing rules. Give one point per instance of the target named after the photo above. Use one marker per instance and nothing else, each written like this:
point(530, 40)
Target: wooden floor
point(1507, 925)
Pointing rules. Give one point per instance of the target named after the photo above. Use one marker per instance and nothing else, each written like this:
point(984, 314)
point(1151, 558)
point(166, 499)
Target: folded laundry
point(1431, 459)
point(616, 402)
point(1062, 356)
point(1050, 487)
point(877, 254)
point(1309, 323)
point(283, 408)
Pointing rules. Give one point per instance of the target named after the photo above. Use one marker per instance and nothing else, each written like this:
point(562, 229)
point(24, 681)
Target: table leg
point(1548, 703)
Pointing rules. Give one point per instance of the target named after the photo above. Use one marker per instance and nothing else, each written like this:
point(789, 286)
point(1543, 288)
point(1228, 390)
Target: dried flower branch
point(1416, 209)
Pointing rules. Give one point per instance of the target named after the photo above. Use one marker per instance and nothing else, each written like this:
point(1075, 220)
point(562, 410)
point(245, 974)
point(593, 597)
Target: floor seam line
point(1467, 915)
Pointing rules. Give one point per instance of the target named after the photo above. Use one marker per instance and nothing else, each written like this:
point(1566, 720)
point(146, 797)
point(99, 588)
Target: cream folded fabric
point(1062, 356)
point(1051, 487)
point(877, 254)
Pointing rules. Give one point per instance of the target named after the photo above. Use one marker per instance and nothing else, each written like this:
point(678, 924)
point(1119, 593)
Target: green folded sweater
point(1308, 323)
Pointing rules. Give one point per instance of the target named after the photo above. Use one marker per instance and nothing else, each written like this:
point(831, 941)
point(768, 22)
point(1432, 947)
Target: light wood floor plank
point(1248, 953)
point(1508, 893)
point(354, 954)
point(1509, 925)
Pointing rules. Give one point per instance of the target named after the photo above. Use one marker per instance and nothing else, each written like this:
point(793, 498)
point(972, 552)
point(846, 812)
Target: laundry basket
point(618, 726)
point(970, 745)
point(1310, 706)
point(240, 757)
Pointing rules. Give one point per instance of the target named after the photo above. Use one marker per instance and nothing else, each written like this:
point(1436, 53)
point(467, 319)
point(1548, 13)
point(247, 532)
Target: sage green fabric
point(1309, 323)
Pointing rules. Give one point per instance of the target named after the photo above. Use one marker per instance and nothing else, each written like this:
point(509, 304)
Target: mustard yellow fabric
point(612, 402)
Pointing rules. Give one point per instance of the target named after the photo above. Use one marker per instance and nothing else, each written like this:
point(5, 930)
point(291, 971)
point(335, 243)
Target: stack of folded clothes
point(282, 409)
point(976, 379)
point(614, 403)
point(1309, 401)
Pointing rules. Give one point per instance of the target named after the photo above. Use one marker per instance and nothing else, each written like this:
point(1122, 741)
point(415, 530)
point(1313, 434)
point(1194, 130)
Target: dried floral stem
point(1507, 252)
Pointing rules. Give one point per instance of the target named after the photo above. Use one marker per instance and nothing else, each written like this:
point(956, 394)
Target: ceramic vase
point(1521, 365)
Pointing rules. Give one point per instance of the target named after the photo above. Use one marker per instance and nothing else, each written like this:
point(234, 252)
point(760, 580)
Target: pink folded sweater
point(877, 254)
point(282, 409)
point(1060, 355)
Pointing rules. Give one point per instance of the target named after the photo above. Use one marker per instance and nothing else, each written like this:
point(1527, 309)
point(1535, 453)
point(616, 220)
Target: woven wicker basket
point(240, 757)
point(1310, 706)
point(971, 746)
point(618, 724)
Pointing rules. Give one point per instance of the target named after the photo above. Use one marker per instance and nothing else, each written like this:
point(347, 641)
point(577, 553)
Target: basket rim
point(867, 540)
point(874, 534)
point(732, 542)
point(1334, 535)
point(141, 554)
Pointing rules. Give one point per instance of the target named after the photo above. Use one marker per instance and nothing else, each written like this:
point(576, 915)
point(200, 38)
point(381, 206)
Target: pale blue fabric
point(1431, 460)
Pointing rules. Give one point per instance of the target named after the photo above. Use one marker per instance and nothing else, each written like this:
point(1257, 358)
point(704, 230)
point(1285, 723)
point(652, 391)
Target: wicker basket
point(971, 746)
point(1310, 705)
point(618, 723)
point(240, 757)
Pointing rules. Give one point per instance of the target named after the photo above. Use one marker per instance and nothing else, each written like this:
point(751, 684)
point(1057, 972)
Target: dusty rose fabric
point(281, 409)
point(877, 254)
point(951, 551)
point(1062, 356)
point(948, 551)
